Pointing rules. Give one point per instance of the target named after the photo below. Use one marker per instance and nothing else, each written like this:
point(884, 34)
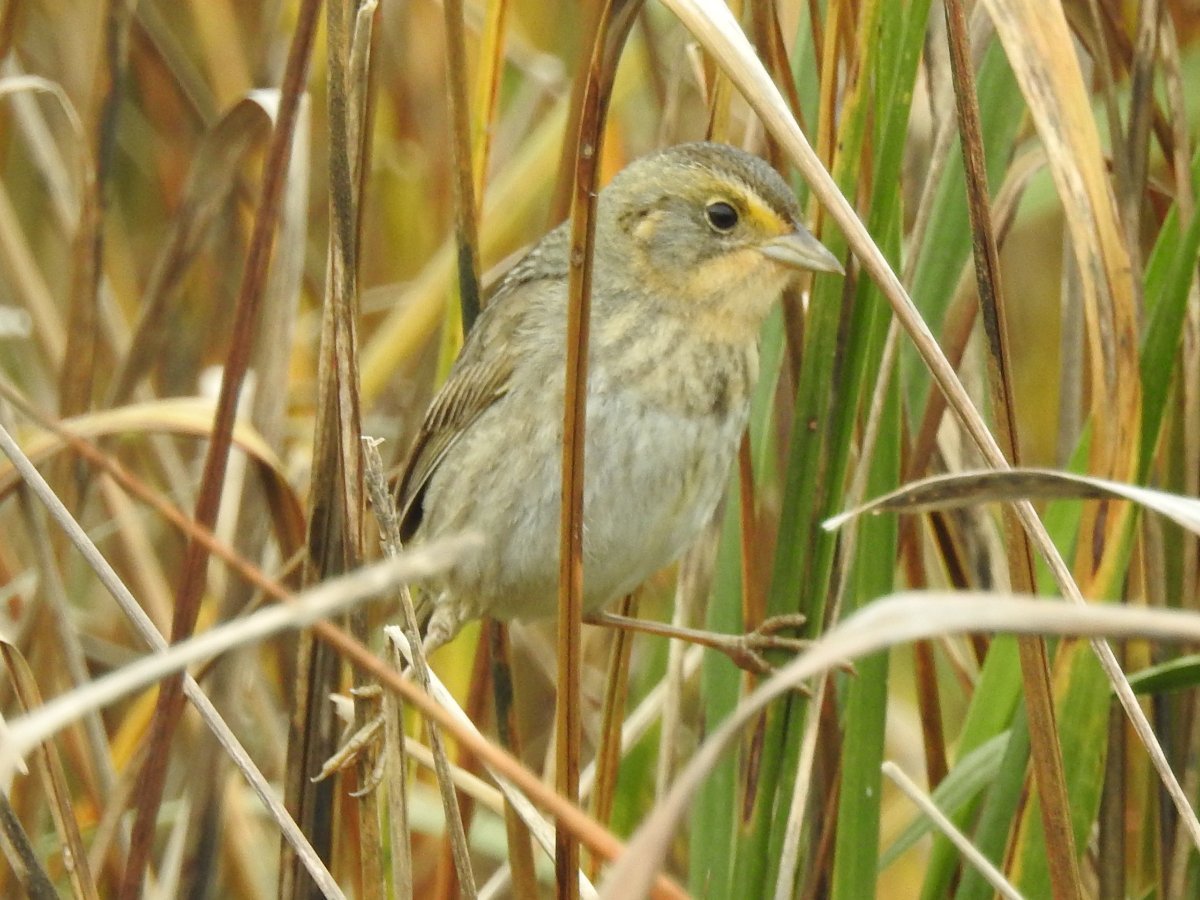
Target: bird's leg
point(444, 625)
point(745, 650)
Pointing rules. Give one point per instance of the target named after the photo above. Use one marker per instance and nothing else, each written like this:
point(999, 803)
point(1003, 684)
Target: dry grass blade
point(70, 647)
point(245, 321)
point(989, 486)
point(980, 33)
point(50, 771)
point(417, 314)
point(1046, 749)
point(789, 862)
point(987, 258)
point(538, 827)
point(593, 835)
point(1173, 78)
point(487, 90)
point(19, 259)
point(183, 416)
point(153, 639)
point(131, 195)
point(691, 590)
point(78, 373)
point(608, 753)
point(315, 604)
point(886, 622)
point(467, 256)
point(1040, 49)
point(335, 532)
point(21, 856)
point(960, 320)
point(211, 178)
point(29, 285)
point(520, 847)
point(385, 510)
point(994, 876)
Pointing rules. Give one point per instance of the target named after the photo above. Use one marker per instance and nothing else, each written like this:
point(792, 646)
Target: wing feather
point(483, 372)
point(470, 390)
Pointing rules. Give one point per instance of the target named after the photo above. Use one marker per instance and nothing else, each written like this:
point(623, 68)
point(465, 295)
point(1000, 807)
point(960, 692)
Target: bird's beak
point(800, 250)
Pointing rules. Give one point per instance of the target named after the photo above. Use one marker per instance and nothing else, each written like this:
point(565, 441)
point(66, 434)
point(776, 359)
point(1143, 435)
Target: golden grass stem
point(465, 211)
point(616, 18)
point(1046, 751)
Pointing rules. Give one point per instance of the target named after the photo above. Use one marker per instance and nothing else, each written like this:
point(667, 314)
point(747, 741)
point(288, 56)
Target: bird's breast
point(662, 429)
point(663, 365)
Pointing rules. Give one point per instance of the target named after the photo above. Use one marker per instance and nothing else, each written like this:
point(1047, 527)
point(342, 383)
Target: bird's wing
point(471, 388)
point(483, 371)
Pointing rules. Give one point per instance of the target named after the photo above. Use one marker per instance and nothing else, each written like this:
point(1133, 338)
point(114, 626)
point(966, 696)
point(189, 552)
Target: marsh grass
point(172, 205)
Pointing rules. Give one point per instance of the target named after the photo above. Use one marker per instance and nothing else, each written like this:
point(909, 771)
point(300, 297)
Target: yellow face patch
point(756, 215)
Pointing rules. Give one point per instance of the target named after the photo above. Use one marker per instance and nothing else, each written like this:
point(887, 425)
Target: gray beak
point(800, 250)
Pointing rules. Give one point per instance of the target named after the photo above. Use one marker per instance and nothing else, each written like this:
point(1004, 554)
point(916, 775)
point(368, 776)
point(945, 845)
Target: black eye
point(721, 216)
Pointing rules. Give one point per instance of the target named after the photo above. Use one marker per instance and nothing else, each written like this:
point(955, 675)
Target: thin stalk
point(520, 849)
point(616, 18)
point(608, 754)
point(466, 225)
point(1035, 667)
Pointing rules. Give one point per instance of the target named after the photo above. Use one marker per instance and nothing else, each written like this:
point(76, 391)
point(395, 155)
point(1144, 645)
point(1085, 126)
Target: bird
point(694, 244)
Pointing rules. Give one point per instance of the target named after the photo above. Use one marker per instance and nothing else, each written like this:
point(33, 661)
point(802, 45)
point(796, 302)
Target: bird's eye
point(721, 216)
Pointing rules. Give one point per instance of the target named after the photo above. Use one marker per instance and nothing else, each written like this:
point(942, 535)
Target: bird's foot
point(746, 651)
point(367, 740)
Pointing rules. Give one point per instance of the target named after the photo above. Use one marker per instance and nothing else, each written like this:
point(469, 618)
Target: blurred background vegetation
point(134, 142)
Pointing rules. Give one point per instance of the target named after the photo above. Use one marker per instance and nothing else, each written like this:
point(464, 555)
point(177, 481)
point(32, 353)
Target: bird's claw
point(747, 650)
point(363, 741)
